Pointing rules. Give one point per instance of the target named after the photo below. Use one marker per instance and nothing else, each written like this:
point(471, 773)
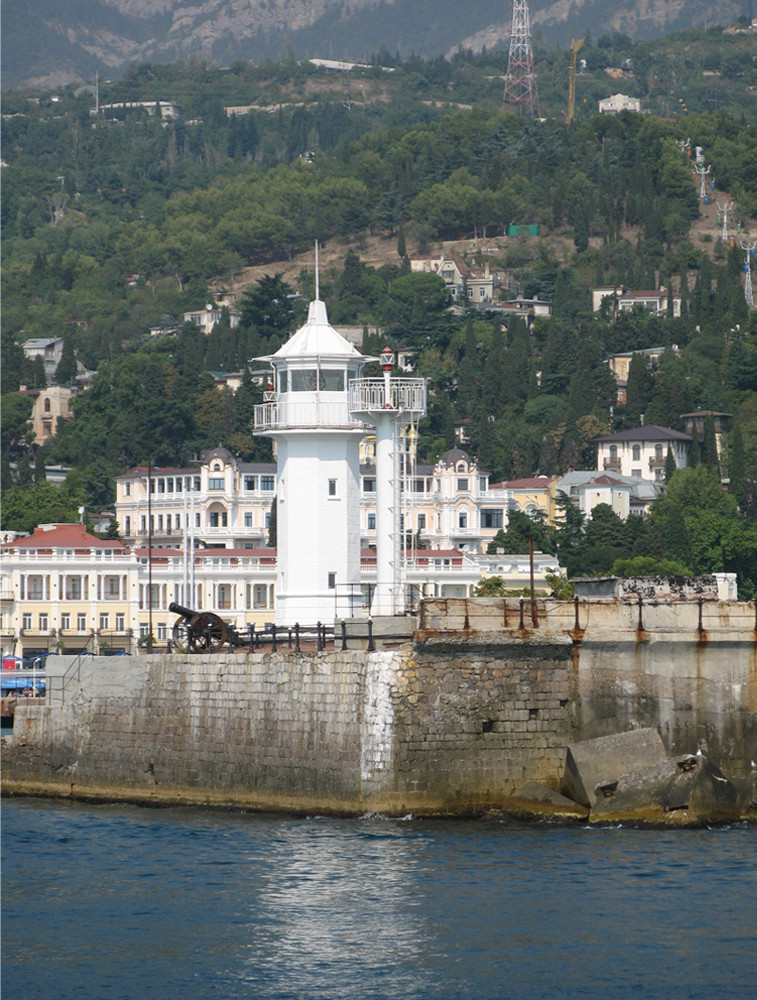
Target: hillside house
point(625, 300)
point(627, 495)
point(52, 403)
point(50, 349)
point(617, 103)
point(477, 283)
point(620, 364)
point(641, 452)
point(208, 317)
point(695, 425)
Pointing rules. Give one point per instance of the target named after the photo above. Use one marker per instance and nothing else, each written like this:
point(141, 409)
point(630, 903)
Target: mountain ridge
point(47, 43)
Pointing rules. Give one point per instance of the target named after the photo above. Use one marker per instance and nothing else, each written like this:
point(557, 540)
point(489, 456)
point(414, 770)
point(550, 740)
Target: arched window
point(658, 451)
point(613, 451)
point(47, 406)
point(218, 516)
point(636, 452)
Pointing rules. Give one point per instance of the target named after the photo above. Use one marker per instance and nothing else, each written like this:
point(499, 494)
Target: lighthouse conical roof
point(317, 338)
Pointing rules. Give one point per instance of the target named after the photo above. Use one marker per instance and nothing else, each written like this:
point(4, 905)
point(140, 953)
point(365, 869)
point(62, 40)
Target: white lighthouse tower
point(390, 404)
point(317, 440)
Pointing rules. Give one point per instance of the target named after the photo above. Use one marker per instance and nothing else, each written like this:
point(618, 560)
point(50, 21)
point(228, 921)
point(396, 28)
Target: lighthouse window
point(332, 487)
point(332, 581)
point(305, 381)
point(332, 381)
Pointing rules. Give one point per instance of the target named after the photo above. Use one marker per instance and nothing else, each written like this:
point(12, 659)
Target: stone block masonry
point(347, 731)
point(456, 721)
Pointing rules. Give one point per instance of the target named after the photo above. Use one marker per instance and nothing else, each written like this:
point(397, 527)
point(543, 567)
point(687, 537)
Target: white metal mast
point(390, 404)
point(700, 169)
point(723, 211)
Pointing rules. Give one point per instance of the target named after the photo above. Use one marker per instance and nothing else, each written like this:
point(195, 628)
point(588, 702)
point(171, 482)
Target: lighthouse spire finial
point(317, 282)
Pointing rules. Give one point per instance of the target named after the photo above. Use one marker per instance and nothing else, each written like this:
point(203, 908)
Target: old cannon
point(197, 631)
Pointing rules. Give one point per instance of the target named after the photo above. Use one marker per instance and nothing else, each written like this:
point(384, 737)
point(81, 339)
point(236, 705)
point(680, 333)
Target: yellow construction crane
point(574, 47)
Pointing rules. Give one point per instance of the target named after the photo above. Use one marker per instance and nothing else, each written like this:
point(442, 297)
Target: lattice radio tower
point(520, 82)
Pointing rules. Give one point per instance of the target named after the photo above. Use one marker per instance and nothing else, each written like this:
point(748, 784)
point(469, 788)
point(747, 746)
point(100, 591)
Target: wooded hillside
point(116, 224)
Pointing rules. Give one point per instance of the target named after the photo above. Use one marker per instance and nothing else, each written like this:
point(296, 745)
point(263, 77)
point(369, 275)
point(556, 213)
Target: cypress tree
point(272, 526)
point(709, 445)
point(670, 465)
point(39, 467)
point(694, 450)
point(736, 473)
point(638, 389)
point(66, 370)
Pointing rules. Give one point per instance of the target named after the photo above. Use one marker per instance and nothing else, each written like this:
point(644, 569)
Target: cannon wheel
point(207, 633)
point(180, 635)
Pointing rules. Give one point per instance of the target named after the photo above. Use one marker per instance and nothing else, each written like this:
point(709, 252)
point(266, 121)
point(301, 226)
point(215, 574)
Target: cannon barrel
point(178, 609)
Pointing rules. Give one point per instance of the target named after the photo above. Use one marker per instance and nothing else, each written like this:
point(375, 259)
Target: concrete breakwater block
point(746, 789)
point(604, 758)
point(535, 799)
point(680, 791)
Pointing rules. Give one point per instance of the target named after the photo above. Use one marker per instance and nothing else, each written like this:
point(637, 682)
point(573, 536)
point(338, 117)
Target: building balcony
point(90, 556)
point(306, 414)
point(658, 462)
point(612, 464)
point(406, 395)
point(465, 533)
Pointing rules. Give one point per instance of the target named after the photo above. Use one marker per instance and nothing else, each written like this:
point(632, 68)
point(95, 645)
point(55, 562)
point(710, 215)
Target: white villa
point(459, 277)
point(641, 452)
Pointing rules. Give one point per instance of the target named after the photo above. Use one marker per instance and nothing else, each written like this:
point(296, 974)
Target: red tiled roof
point(63, 536)
point(537, 482)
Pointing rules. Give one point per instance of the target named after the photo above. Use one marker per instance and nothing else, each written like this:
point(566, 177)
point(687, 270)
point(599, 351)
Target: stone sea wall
point(486, 698)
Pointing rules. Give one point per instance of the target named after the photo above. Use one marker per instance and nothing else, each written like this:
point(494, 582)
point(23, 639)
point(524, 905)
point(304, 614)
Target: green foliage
point(647, 566)
point(490, 586)
point(562, 589)
point(149, 215)
point(16, 411)
point(697, 524)
point(26, 506)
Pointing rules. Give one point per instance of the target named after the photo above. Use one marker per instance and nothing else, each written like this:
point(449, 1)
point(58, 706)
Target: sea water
point(112, 902)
